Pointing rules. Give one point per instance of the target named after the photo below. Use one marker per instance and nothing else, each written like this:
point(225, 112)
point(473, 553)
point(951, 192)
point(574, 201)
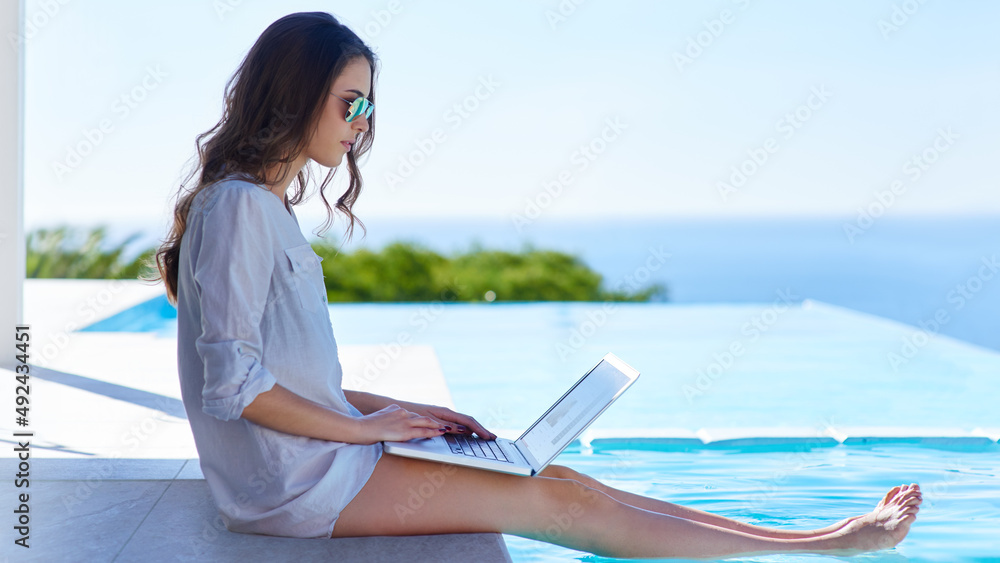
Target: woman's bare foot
point(839, 525)
point(885, 526)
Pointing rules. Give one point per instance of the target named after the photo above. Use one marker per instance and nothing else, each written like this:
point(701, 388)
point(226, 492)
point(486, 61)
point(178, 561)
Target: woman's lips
point(346, 145)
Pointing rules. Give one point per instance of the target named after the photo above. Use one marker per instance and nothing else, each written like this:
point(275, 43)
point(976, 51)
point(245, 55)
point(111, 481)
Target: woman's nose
point(360, 123)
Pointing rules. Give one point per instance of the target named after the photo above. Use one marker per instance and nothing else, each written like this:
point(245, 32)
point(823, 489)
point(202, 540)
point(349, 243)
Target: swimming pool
point(804, 365)
point(806, 369)
point(808, 487)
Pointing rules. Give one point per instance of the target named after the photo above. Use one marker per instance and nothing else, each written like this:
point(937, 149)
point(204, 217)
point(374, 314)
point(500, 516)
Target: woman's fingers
point(447, 419)
point(473, 425)
point(425, 427)
point(399, 424)
point(442, 423)
point(428, 422)
point(452, 421)
point(417, 419)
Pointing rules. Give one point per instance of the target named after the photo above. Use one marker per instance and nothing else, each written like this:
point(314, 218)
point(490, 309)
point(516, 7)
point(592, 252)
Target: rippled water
point(804, 489)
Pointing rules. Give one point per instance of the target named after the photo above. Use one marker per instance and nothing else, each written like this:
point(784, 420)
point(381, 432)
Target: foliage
point(52, 254)
point(400, 272)
point(405, 271)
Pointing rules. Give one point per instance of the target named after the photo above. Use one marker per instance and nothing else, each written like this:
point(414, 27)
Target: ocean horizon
point(938, 274)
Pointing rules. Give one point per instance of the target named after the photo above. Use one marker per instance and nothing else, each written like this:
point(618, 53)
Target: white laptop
point(546, 438)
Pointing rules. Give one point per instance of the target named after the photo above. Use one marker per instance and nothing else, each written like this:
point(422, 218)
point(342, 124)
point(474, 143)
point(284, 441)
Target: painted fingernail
point(447, 427)
point(462, 428)
point(442, 429)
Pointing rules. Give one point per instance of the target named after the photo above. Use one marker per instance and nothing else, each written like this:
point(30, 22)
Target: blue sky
point(823, 107)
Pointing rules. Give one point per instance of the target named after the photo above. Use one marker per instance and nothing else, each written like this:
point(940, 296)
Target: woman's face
point(328, 144)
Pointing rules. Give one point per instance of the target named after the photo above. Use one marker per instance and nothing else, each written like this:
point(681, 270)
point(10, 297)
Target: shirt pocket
point(307, 277)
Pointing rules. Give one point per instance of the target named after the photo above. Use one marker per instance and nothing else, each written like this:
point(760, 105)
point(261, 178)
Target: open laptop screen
point(575, 410)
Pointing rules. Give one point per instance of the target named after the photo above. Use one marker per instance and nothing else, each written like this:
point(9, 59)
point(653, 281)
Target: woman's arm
point(456, 422)
point(368, 403)
point(282, 410)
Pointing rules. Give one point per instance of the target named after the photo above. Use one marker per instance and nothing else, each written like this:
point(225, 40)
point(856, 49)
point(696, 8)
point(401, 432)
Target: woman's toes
point(889, 495)
point(905, 496)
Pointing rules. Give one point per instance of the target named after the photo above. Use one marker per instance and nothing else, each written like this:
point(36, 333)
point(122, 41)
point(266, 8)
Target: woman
point(284, 449)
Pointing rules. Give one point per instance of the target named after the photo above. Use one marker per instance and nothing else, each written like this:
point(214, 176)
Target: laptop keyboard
point(475, 447)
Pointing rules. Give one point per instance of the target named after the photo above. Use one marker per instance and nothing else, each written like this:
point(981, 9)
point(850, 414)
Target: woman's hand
point(457, 423)
point(396, 424)
point(443, 417)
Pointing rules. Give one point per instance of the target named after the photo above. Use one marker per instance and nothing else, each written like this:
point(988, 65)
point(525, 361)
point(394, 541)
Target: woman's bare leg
point(664, 507)
point(410, 497)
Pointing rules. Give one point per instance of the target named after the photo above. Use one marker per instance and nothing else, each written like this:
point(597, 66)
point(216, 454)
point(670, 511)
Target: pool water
point(807, 488)
point(810, 365)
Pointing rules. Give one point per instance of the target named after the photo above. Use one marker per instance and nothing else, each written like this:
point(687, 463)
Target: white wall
point(12, 251)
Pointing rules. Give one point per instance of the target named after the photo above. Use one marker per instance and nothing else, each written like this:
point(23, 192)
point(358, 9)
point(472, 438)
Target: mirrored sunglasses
point(357, 107)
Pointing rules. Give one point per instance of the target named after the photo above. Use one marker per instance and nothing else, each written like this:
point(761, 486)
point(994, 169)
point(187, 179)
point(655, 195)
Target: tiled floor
point(135, 514)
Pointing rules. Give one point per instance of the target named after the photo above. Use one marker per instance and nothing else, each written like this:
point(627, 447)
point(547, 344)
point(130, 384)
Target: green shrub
point(408, 272)
point(51, 254)
point(400, 272)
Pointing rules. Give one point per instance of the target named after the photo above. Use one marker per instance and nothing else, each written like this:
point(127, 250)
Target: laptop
point(544, 440)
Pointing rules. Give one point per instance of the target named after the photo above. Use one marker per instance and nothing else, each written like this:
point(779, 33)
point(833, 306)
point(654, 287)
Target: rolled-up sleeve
point(232, 269)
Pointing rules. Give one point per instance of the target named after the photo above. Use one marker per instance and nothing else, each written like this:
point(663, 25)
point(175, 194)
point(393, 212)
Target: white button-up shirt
point(252, 311)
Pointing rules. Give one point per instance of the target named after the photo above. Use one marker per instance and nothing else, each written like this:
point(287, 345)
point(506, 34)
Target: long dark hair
point(272, 106)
